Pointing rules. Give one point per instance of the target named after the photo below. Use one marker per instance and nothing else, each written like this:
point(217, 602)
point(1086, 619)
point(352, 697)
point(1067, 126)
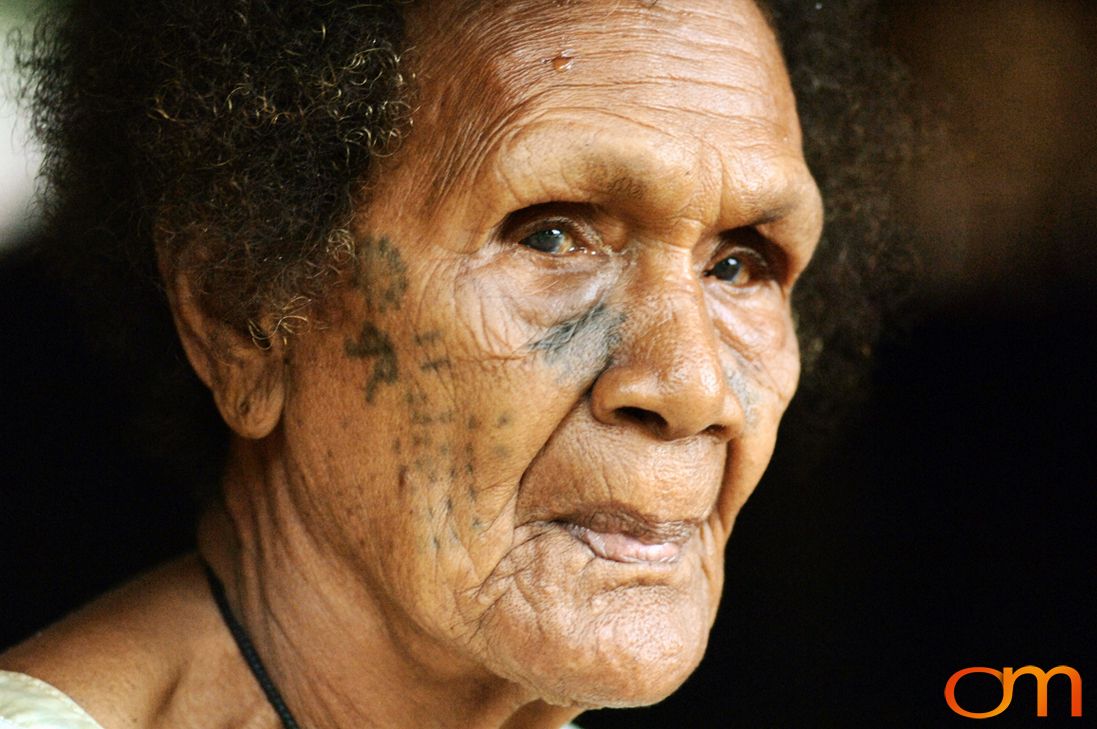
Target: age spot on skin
point(562, 62)
point(382, 275)
point(372, 343)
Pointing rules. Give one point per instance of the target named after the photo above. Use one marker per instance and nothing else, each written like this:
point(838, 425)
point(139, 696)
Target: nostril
point(640, 416)
point(719, 431)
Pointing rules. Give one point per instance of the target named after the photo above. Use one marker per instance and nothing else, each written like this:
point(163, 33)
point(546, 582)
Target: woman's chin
point(630, 656)
point(605, 634)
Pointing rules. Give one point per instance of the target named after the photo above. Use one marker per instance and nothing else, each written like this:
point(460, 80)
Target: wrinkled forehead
point(485, 69)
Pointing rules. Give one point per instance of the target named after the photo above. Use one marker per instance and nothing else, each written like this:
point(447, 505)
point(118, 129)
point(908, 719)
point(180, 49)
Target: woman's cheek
point(763, 360)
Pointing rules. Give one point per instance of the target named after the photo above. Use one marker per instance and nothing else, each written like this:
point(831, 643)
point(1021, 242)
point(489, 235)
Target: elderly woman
point(495, 301)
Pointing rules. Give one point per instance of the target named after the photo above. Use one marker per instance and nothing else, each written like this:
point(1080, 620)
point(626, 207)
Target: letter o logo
point(950, 693)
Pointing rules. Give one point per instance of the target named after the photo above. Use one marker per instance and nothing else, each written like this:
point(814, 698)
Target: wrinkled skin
point(500, 474)
point(475, 402)
point(499, 392)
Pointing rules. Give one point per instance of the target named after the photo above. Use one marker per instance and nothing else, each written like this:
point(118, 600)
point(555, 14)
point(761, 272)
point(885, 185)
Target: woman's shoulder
point(117, 658)
point(126, 657)
point(30, 703)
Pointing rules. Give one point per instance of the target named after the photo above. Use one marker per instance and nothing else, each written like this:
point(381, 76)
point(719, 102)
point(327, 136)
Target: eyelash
point(580, 237)
point(758, 266)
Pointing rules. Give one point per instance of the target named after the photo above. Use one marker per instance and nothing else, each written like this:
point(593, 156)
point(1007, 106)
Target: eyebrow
point(621, 177)
point(615, 177)
point(583, 169)
point(774, 203)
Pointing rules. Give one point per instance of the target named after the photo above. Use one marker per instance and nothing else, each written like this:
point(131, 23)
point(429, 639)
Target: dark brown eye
point(742, 267)
point(550, 240)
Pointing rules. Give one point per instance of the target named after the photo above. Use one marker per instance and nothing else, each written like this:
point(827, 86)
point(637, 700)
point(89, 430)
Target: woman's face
point(558, 371)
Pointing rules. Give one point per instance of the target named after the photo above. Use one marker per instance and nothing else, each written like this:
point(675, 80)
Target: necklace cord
point(247, 650)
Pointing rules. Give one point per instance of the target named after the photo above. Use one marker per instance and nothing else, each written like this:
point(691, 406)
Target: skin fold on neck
point(356, 665)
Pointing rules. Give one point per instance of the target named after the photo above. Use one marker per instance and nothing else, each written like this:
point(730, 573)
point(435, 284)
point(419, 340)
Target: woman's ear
point(247, 380)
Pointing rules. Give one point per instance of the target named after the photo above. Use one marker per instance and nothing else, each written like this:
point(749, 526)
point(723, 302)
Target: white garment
point(28, 703)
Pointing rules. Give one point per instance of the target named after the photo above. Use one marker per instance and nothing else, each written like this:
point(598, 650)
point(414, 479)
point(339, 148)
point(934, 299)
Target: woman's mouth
point(624, 538)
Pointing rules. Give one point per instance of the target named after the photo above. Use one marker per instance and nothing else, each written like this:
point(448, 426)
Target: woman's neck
point(339, 656)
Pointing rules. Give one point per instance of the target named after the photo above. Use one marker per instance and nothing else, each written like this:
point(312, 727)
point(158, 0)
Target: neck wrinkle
point(338, 655)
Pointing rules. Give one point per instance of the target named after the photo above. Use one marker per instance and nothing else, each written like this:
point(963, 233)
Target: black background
point(950, 525)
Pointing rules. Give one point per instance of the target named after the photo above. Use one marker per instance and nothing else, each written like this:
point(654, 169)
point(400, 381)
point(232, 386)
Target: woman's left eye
point(552, 239)
point(742, 268)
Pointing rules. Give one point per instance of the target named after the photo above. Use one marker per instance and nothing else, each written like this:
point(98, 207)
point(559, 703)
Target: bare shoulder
point(121, 657)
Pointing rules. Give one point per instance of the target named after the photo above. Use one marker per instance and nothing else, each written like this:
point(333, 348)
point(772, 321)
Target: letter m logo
point(1042, 678)
point(1008, 676)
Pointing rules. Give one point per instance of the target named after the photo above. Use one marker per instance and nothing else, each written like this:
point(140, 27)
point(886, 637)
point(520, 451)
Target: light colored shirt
point(29, 703)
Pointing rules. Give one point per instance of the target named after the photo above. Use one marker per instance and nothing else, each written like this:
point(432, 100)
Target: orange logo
point(1007, 676)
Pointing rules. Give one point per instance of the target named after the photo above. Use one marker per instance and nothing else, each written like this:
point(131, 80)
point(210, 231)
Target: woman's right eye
point(552, 239)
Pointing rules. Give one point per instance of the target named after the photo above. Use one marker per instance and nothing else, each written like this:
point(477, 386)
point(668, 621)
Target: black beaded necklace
point(248, 651)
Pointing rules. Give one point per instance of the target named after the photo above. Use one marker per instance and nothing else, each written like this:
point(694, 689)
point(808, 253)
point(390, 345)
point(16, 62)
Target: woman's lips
point(625, 538)
point(623, 548)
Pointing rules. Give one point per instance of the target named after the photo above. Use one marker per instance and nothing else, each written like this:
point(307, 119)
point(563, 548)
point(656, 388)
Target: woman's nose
point(666, 375)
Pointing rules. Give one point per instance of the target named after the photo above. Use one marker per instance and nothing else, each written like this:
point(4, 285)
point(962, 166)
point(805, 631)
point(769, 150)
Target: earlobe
point(246, 380)
point(249, 388)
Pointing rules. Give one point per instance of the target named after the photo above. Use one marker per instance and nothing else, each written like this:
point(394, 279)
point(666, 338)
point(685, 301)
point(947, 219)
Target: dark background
point(950, 524)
